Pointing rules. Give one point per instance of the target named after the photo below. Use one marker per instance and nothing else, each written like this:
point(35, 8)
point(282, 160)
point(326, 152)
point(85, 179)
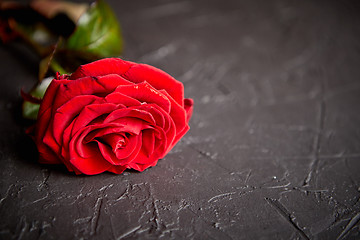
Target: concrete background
point(274, 146)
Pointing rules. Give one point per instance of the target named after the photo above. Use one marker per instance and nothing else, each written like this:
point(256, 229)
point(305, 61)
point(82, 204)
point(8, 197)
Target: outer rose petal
point(117, 169)
point(98, 86)
point(44, 116)
point(102, 67)
point(146, 94)
point(90, 166)
point(188, 105)
point(177, 113)
point(158, 79)
point(135, 73)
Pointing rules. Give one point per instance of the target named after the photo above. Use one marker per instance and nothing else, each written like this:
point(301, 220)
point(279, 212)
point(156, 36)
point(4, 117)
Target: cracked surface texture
point(274, 146)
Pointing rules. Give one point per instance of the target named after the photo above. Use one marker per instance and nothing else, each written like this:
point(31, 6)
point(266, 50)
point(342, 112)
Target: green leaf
point(97, 33)
point(30, 110)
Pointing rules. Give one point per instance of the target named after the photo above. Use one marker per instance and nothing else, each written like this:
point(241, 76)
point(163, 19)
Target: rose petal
point(123, 156)
point(91, 112)
point(143, 159)
point(42, 124)
point(114, 140)
point(156, 114)
point(158, 79)
point(93, 163)
point(107, 153)
point(118, 169)
point(71, 109)
point(43, 148)
point(67, 112)
point(161, 142)
point(141, 167)
point(79, 142)
point(132, 125)
point(99, 86)
point(136, 145)
point(47, 156)
point(102, 67)
point(130, 113)
point(90, 166)
point(177, 113)
point(65, 142)
point(144, 92)
point(49, 97)
point(136, 73)
point(71, 167)
point(168, 126)
point(99, 132)
point(188, 106)
point(118, 98)
point(148, 141)
point(127, 153)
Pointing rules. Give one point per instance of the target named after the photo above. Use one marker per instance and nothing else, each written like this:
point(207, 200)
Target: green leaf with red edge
point(97, 33)
point(29, 108)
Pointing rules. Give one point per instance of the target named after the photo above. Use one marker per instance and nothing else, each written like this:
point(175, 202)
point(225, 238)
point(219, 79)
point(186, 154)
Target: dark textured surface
point(274, 146)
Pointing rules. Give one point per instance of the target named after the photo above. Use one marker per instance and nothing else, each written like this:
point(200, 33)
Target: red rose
point(111, 115)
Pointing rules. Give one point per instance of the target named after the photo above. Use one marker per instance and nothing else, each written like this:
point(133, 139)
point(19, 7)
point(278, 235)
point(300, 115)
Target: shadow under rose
point(21, 146)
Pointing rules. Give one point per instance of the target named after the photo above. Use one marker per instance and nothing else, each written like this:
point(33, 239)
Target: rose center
point(115, 141)
point(120, 144)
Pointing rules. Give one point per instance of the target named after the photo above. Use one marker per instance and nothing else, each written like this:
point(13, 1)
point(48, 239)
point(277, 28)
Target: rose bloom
point(110, 115)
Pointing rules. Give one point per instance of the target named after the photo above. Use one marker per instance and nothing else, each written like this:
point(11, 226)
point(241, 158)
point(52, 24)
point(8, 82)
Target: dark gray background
point(274, 146)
